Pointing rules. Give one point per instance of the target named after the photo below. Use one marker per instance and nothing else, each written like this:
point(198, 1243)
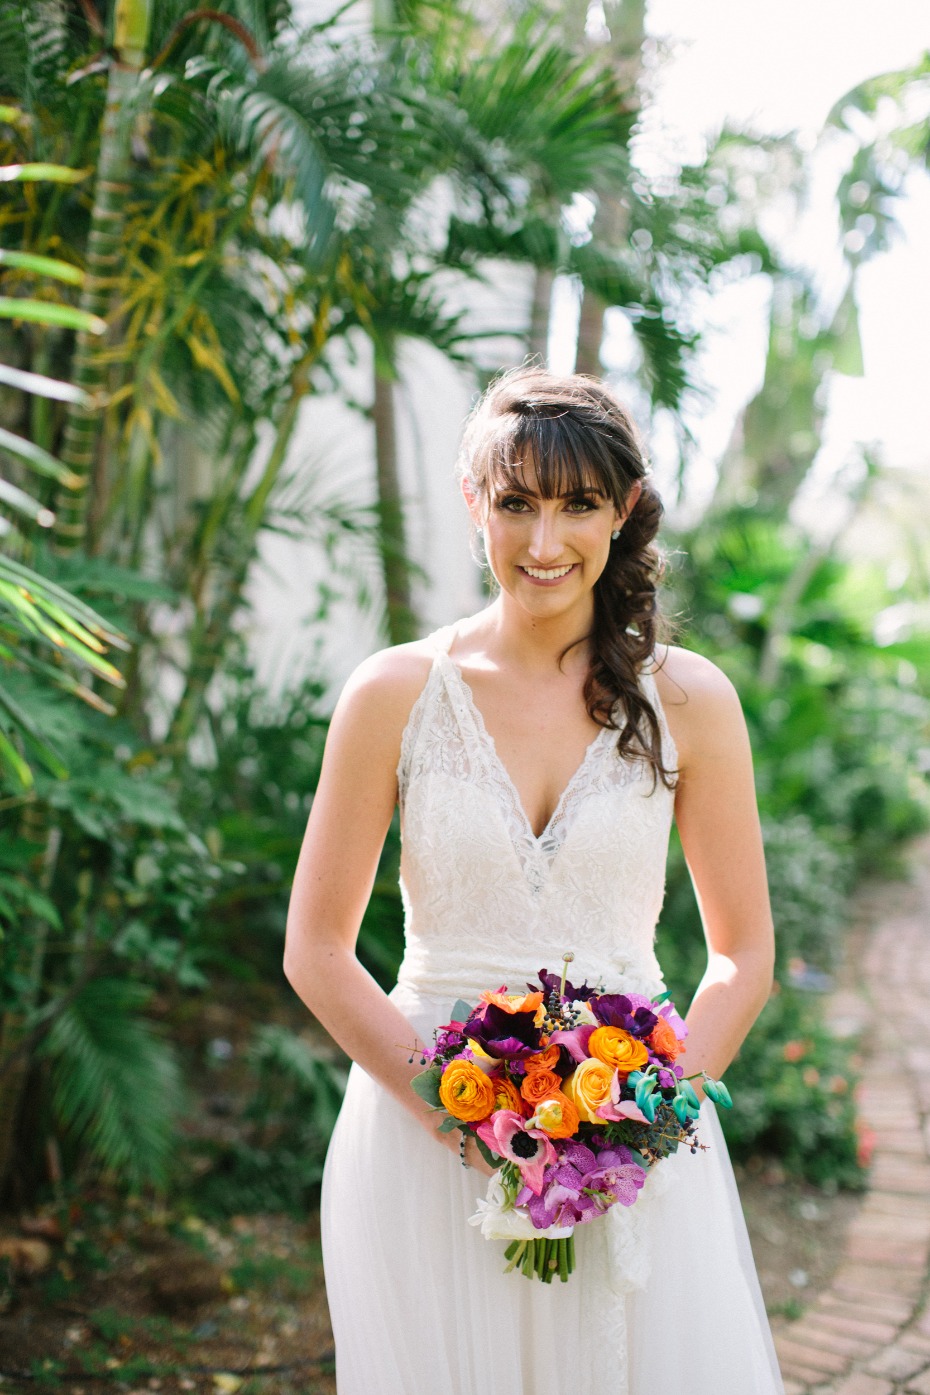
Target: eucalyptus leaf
point(426, 1085)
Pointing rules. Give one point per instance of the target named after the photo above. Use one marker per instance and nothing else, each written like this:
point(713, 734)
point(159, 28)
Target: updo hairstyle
point(575, 435)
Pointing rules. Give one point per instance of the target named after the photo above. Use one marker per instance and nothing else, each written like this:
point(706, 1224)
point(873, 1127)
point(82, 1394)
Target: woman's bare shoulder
point(387, 684)
point(701, 705)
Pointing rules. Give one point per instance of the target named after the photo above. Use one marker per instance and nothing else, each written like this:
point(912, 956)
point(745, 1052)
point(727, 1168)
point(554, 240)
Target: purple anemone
point(631, 1011)
point(552, 982)
point(513, 1035)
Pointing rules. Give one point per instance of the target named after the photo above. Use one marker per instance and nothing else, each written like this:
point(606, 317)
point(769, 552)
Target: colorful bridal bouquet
point(572, 1094)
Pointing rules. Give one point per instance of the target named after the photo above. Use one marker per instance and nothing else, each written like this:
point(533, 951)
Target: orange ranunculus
point(517, 1002)
point(506, 1094)
point(543, 1060)
point(663, 1040)
point(588, 1087)
point(618, 1049)
point(538, 1084)
point(466, 1092)
point(557, 1116)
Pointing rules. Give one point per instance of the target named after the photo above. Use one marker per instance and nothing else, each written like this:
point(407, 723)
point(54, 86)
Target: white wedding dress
point(664, 1297)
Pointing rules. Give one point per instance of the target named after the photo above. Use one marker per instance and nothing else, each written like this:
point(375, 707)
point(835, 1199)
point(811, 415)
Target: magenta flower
point(508, 1135)
point(667, 1010)
point(575, 1042)
point(617, 1177)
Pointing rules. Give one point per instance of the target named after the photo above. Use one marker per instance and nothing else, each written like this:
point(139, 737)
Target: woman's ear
point(629, 504)
point(472, 502)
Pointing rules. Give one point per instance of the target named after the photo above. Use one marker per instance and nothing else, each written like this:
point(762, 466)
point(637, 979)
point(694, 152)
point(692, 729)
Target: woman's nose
point(545, 543)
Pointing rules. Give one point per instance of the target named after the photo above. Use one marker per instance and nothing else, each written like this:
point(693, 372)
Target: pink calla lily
point(575, 1041)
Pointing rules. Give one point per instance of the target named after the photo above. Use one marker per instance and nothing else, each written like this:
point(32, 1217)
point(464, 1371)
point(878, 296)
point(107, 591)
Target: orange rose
point(588, 1087)
point(557, 1116)
point(544, 1060)
point(663, 1040)
point(506, 1094)
point(467, 1093)
point(618, 1049)
point(539, 1084)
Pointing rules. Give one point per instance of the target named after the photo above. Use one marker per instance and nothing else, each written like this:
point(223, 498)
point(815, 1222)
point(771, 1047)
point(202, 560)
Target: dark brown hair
point(574, 433)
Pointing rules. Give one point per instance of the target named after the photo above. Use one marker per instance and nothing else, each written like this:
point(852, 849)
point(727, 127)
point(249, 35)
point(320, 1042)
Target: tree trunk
point(537, 339)
point(401, 620)
point(104, 250)
point(590, 335)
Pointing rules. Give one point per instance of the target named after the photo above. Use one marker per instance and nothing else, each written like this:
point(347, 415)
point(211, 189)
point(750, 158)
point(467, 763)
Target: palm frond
point(116, 1085)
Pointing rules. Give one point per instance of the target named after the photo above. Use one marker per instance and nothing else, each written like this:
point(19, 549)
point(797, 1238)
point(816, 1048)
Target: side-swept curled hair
point(575, 435)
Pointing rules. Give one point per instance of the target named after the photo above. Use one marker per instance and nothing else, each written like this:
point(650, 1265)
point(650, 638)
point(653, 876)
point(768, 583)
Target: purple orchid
point(552, 982)
point(667, 1010)
point(617, 1177)
point(631, 1011)
point(508, 1135)
point(512, 1035)
point(565, 1197)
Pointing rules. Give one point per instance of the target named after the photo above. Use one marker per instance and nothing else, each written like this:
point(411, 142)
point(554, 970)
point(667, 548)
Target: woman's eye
point(513, 504)
point(581, 505)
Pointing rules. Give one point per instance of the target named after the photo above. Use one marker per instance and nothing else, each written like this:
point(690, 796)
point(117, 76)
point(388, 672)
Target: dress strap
point(441, 640)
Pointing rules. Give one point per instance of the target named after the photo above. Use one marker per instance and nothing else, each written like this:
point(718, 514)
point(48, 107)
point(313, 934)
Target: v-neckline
point(538, 839)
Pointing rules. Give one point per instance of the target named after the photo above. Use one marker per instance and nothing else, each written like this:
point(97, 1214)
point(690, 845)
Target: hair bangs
point(551, 454)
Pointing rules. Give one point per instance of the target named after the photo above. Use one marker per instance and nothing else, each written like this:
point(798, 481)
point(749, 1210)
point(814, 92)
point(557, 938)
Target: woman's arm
point(717, 817)
point(338, 861)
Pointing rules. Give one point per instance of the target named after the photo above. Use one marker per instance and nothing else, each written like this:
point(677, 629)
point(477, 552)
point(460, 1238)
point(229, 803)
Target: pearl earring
point(479, 530)
point(615, 535)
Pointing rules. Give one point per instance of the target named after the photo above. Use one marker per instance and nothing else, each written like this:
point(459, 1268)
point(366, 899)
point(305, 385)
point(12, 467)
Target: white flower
point(500, 1220)
point(585, 1016)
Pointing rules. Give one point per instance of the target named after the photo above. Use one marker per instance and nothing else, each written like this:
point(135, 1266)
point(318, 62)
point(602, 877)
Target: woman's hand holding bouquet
point(572, 1095)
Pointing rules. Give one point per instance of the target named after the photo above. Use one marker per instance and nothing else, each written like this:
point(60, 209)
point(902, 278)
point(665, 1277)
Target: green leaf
point(426, 1085)
point(116, 1085)
point(41, 386)
point(20, 502)
point(490, 1158)
point(57, 174)
point(40, 460)
point(42, 266)
point(12, 762)
point(448, 1125)
point(460, 1011)
point(48, 313)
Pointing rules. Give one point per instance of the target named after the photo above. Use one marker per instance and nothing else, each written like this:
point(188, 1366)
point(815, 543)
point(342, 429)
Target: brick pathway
point(868, 1333)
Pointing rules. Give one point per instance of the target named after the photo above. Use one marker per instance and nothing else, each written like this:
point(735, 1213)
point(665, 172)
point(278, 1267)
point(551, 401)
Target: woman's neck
point(510, 635)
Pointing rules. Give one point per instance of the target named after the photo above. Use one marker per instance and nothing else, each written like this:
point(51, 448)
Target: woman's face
point(547, 554)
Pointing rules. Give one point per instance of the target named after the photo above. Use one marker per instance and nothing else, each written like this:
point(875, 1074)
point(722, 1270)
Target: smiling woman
point(538, 752)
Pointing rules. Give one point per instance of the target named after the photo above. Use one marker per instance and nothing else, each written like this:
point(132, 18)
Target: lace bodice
point(487, 902)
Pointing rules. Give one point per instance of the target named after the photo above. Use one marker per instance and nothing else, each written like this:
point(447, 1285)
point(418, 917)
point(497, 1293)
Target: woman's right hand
point(474, 1158)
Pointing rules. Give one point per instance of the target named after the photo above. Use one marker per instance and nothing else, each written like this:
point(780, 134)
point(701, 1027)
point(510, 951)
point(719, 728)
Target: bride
point(538, 752)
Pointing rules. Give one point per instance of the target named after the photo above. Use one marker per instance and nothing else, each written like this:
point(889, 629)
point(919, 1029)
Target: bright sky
point(778, 68)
